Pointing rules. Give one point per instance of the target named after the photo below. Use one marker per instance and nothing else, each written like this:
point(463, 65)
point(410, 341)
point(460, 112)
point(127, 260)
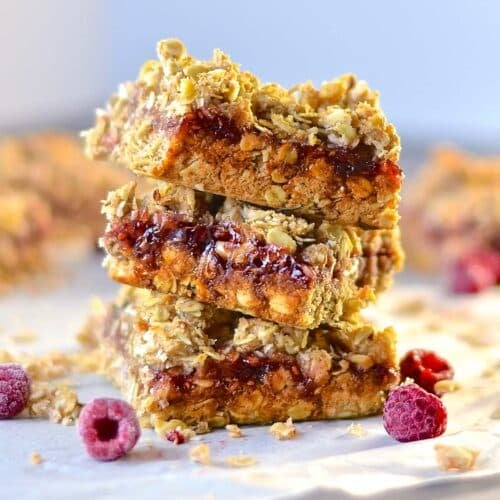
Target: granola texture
point(241, 257)
point(52, 166)
point(452, 207)
point(327, 152)
point(176, 358)
point(25, 223)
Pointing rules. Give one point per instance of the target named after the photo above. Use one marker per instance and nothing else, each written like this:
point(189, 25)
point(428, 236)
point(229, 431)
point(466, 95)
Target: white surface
point(323, 460)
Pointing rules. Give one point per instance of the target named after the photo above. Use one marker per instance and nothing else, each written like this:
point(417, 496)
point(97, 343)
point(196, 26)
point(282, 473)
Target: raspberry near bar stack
point(269, 220)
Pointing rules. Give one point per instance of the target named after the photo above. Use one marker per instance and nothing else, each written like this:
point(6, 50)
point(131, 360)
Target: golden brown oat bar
point(453, 207)
point(176, 358)
point(207, 125)
point(240, 257)
point(25, 223)
point(53, 166)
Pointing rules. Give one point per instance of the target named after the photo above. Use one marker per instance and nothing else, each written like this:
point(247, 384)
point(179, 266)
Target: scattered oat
point(283, 430)
point(200, 454)
point(234, 431)
point(496, 414)
point(455, 458)
point(356, 429)
point(36, 458)
point(202, 428)
point(446, 385)
point(240, 461)
point(54, 401)
point(410, 306)
point(25, 336)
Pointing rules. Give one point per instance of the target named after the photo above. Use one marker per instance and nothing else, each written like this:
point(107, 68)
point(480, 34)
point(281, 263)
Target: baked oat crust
point(179, 359)
point(240, 257)
point(327, 152)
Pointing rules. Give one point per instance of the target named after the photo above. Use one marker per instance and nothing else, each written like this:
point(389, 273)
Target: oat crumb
point(496, 414)
point(445, 386)
point(283, 430)
point(455, 458)
point(240, 461)
point(36, 458)
point(200, 454)
point(357, 430)
point(234, 431)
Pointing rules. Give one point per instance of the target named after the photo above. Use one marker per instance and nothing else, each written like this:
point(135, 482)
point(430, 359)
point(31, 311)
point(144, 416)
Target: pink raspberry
point(109, 428)
point(15, 389)
point(475, 271)
point(176, 437)
point(425, 368)
point(411, 414)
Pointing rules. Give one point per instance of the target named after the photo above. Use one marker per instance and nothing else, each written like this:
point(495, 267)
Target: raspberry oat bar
point(175, 358)
point(25, 223)
point(53, 166)
point(453, 209)
point(327, 152)
point(241, 257)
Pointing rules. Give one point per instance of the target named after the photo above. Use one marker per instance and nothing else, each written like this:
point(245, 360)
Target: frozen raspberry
point(425, 368)
point(411, 414)
point(109, 428)
point(15, 388)
point(177, 437)
point(475, 271)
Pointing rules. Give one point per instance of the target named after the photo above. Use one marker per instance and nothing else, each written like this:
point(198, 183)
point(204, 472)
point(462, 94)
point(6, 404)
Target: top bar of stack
point(326, 153)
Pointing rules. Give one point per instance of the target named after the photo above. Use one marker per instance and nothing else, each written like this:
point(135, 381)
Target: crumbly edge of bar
point(339, 390)
point(164, 331)
point(343, 112)
point(346, 248)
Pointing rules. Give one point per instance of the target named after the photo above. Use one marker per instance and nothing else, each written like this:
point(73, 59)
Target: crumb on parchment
point(455, 458)
point(240, 461)
point(200, 454)
point(356, 429)
point(36, 458)
point(234, 431)
point(283, 430)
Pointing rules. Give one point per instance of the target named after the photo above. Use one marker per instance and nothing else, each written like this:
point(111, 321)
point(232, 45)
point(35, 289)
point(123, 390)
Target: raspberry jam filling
point(142, 236)
point(209, 121)
point(250, 370)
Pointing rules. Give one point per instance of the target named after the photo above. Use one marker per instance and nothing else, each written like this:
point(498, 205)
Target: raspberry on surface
point(175, 436)
point(15, 389)
point(108, 428)
point(412, 414)
point(475, 271)
point(425, 368)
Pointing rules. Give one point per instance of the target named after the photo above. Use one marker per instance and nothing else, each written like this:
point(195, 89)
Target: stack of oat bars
point(262, 221)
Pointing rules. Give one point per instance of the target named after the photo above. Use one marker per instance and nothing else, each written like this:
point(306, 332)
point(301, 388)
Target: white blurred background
point(437, 64)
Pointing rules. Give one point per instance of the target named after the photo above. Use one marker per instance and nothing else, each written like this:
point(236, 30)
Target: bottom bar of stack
point(175, 358)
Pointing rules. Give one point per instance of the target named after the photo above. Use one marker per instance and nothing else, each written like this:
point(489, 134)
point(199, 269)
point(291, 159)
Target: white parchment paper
point(323, 461)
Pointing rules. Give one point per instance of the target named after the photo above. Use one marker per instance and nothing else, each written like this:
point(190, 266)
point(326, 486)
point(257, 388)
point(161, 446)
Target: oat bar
point(241, 257)
point(326, 152)
point(175, 358)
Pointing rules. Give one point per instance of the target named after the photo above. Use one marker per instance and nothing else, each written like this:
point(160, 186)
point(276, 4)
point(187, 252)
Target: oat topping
point(455, 458)
point(56, 402)
point(447, 385)
point(495, 415)
point(284, 430)
point(343, 112)
point(240, 461)
point(234, 431)
point(200, 454)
